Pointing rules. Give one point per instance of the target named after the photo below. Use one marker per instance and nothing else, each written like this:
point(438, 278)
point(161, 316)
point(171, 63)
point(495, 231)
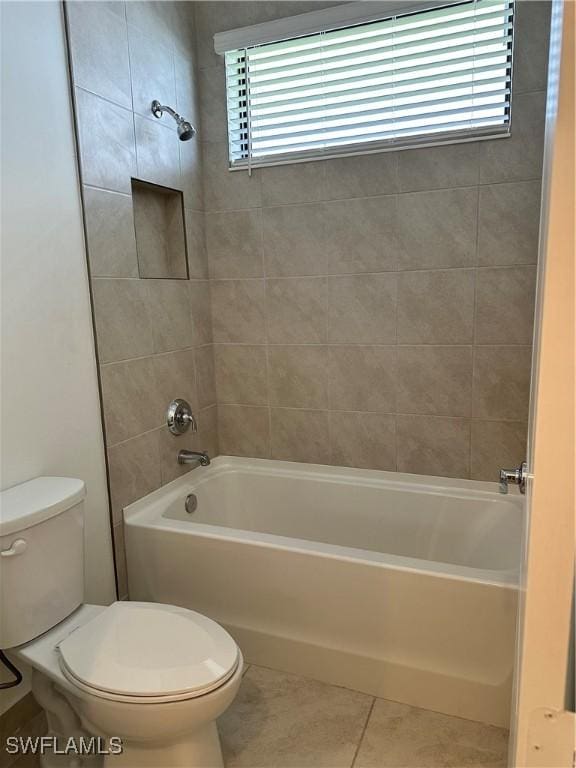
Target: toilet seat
point(148, 653)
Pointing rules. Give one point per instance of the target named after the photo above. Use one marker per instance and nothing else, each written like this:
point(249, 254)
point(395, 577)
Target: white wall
point(50, 412)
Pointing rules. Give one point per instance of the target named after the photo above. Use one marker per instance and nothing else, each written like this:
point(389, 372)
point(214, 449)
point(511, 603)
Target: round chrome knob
point(180, 418)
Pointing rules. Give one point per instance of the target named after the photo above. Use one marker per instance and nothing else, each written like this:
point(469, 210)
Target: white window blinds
point(427, 77)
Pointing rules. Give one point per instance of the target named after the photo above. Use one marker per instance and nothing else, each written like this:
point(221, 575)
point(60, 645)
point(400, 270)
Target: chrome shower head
point(185, 129)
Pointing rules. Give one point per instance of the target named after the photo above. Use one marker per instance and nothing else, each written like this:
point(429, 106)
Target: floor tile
point(284, 721)
point(400, 736)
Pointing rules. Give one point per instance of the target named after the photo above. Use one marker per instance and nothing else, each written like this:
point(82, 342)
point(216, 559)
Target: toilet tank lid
point(32, 502)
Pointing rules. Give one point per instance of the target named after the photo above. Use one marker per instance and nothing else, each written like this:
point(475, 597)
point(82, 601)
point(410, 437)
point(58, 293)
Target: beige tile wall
point(153, 335)
point(376, 311)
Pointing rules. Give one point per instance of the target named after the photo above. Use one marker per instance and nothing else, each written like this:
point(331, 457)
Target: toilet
point(154, 676)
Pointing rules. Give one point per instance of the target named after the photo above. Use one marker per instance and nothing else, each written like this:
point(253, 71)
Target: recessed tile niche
point(160, 232)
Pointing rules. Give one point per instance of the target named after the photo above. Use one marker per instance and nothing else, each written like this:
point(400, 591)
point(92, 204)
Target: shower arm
point(158, 109)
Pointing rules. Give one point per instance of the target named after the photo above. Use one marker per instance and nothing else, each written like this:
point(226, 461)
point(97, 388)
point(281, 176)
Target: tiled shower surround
point(153, 335)
point(376, 311)
point(371, 311)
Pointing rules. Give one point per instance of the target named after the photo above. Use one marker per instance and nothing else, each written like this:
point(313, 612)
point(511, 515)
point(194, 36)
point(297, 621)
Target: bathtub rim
point(325, 472)
point(148, 512)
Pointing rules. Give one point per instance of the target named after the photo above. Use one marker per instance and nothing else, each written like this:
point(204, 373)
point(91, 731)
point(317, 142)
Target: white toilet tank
point(41, 556)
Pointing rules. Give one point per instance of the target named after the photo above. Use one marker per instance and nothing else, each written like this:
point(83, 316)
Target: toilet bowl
point(156, 677)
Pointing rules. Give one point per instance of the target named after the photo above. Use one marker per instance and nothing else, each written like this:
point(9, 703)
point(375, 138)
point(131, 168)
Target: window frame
point(332, 19)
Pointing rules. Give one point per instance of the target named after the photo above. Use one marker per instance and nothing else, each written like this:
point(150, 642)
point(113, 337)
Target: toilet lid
point(149, 650)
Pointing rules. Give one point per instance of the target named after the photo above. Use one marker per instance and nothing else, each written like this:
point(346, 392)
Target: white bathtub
point(401, 586)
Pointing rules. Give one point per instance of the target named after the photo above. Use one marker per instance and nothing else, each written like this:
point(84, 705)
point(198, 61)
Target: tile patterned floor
point(284, 721)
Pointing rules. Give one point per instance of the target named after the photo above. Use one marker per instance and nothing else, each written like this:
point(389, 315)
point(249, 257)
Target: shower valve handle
point(180, 418)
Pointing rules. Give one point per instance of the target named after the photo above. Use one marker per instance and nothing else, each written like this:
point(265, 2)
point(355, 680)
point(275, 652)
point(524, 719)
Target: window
point(423, 77)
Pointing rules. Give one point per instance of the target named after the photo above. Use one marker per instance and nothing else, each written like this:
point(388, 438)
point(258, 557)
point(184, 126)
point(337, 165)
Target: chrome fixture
point(180, 418)
point(185, 130)
point(516, 476)
point(191, 503)
point(198, 458)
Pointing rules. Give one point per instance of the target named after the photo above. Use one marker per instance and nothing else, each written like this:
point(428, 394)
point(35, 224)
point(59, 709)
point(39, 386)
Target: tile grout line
point(362, 344)
point(361, 739)
point(152, 430)
point(342, 275)
point(389, 194)
point(320, 409)
point(474, 319)
point(396, 339)
point(327, 309)
point(266, 328)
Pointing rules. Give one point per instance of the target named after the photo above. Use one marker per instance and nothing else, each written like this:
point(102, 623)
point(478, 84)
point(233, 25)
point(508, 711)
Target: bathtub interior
point(473, 530)
point(457, 523)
